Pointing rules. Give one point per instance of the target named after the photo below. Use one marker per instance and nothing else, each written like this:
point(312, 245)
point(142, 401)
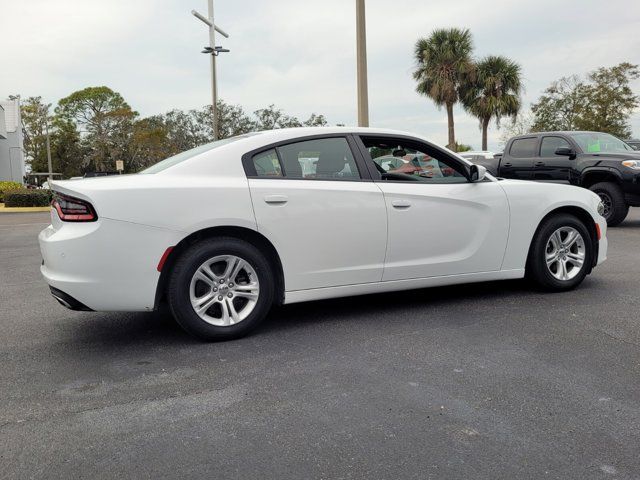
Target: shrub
point(8, 186)
point(27, 198)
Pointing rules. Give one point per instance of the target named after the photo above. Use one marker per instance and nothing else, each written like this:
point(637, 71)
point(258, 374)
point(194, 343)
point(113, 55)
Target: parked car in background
point(224, 231)
point(634, 143)
point(479, 157)
point(598, 161)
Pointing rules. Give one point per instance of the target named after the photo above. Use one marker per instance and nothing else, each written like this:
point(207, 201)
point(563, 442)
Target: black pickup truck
point(597, 161)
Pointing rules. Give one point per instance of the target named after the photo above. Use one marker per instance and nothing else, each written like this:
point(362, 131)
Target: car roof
point(286, 133)
point(555, 132)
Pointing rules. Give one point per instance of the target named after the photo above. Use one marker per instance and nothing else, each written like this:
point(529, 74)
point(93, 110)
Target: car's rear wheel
point(615, 206)
point(561, 253)
point(221, 288)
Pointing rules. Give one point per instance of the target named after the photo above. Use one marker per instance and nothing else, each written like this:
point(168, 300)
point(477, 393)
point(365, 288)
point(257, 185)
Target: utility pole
point(361, 54)
point(213, 51)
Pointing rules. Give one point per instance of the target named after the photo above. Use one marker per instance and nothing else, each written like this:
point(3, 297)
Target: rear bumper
point(106, 265)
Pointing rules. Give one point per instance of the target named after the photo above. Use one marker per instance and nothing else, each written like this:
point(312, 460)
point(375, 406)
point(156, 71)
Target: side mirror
point(477, 173)
point(566, 152)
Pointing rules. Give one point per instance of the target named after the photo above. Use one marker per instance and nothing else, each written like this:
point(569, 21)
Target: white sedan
point(224, 231)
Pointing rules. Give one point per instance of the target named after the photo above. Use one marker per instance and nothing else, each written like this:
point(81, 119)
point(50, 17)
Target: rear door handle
point(401, 203)
point(539, 164)
point(276, 199)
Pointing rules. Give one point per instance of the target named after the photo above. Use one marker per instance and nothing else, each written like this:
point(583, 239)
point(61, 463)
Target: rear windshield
point(181, 157)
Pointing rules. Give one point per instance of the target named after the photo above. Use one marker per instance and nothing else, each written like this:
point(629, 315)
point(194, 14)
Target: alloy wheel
point(565, 253)
point(607, 202)
point(224, 290)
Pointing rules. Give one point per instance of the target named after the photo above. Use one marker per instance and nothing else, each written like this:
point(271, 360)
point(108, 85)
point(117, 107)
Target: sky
point(300, 55)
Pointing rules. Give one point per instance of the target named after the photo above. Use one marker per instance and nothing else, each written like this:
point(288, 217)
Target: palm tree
point(495, 93)
point(443, 65)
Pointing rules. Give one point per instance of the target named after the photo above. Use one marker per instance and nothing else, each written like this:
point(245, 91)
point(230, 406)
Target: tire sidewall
point(537, 259)
point(191, 260)
point(619, 208)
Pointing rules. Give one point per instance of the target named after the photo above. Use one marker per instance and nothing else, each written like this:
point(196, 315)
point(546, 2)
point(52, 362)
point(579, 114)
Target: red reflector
point(598, 232)
point(164, 257)
point(71, 209)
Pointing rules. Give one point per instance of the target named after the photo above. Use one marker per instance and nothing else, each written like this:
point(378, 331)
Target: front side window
point(549, 146)
point(396, 159)
point(321, 159)
point(524, 147)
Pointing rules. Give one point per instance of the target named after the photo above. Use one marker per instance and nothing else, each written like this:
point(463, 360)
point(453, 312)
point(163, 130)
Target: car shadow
point(155, 328)
point(635, 223)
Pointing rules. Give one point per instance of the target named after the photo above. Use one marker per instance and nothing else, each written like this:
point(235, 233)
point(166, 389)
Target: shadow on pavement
point(159, 328)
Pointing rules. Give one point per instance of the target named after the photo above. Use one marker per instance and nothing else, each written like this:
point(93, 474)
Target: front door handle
point(401, 203)
point(508, 164)
point(276, 199)
point(539, 164)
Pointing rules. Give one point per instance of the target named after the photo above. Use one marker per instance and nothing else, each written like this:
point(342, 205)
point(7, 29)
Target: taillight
point(72, 209)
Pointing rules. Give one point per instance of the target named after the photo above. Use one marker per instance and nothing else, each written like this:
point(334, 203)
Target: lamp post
point(361, 54)
point(213, 51)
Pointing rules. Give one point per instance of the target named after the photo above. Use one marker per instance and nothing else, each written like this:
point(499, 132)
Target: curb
point(4, 209)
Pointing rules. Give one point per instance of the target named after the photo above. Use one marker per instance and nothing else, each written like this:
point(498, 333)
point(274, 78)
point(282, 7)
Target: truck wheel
point(221, 288)
point(560, 254)
point(615, 208)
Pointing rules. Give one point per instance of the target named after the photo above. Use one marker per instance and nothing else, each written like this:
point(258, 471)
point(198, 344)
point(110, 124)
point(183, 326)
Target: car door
point(325, 218)
point(439, 222)
point(550, 167)
point(517, 163)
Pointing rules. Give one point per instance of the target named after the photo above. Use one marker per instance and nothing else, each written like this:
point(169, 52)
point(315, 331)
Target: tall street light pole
point(213, 51)
point(361, 54)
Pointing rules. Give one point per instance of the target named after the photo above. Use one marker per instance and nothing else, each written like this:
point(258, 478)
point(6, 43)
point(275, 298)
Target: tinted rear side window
point(267, 164)
point(524, 147)
point(326, 158)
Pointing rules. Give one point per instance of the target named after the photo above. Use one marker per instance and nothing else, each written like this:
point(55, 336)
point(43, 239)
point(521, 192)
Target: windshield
point(181, 157)
point(592, 142)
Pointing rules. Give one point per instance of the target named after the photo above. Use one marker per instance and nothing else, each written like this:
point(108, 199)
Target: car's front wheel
point(615, 207)
point(220, 288)
point(561, 253)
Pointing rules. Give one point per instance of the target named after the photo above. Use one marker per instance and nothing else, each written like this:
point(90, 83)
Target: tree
point(444, 64)
point(271, 117)
point(150, 143)
point(610, 100)
point(560, 106)
point(461, 147)
point(104, 121)
point(603, 102)
point(67, 151)
point(35, 115)
point(519, 125)
point(495, 93)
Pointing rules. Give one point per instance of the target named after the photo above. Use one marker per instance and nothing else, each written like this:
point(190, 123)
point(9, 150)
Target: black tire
point(616, 209)
point(537, 270)
point(178, 292)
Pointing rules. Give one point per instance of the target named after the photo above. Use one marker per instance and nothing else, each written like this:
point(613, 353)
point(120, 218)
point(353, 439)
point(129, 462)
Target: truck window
point(549, 145)
point(524, 147)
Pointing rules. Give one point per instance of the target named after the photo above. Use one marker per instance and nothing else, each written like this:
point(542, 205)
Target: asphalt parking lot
point(474, 381)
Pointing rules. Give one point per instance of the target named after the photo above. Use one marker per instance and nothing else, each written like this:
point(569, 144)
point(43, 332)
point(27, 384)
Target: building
point(12, 167)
